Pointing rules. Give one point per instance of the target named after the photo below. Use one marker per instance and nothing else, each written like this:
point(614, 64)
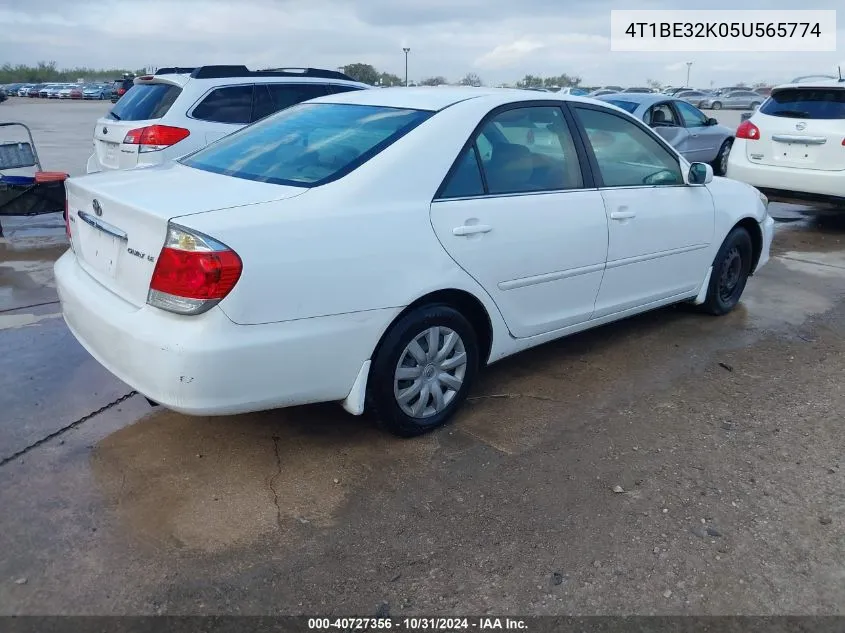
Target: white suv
point(179, 110)
point(793, 147)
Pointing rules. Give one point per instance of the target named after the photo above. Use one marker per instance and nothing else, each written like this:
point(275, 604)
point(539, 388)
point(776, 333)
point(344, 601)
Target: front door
point(659, 227)
point(516, 214)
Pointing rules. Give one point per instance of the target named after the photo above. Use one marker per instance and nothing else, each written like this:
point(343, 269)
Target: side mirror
point(712, 121)
point(700, 174)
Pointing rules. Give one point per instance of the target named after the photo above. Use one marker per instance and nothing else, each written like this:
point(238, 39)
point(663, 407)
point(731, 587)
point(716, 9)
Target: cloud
point(499, 39)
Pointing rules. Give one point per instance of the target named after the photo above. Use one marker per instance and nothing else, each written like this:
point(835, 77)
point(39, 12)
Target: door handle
point(622, 215)
point(471, 229)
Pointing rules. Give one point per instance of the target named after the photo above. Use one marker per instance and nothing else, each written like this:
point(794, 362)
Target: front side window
point(692, 116)
point(626, 154)
point(232, 104)
point(307, 145)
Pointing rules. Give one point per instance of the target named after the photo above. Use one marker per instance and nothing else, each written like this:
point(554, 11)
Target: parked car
point(693, 97)
point(35, 91)
point(96, 91)
point(602, 91)
point(67, 91)
point(169, 114)
point(696, 136)
point(76, 91)
point(120, 87)
point(3, 96)
point(638, 90)
point(11, 90)
point(23, 91)
point(166, 283)
point(738, 100)
point(674, 91)
point(792, 147)
point(723, 91)
point(51, 91)
point(571, 90)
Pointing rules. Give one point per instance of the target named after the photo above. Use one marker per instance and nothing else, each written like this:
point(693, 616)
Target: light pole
point(406, 50)
point(689, 65)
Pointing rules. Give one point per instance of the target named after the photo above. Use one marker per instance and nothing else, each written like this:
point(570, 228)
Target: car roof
point(425, 98)
point(827, 83)
point(643, 98)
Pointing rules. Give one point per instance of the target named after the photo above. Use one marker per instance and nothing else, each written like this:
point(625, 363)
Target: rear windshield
point(628, 106)
point(308, 144)
point(145, 101)
point(806, 103)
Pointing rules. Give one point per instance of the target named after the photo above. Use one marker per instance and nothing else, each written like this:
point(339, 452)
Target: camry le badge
point(97, 208)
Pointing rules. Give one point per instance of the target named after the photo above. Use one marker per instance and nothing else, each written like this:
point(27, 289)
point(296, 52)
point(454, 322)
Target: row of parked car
point(93, 91)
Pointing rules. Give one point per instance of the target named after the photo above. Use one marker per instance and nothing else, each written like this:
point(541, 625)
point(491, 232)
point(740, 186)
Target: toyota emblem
point(105, 130)
point(97, 208)
point(800, 126)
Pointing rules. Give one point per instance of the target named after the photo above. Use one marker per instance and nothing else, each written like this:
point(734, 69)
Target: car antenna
point(839, 68)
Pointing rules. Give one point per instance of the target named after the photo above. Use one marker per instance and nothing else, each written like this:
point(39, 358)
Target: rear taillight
point(748, 131)
point(193, 272)
point(121, 92)
point(155, 137)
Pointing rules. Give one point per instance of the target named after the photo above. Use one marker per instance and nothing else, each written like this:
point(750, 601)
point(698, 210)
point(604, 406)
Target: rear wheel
point(755, 105)
point(720, 163)
point(717, 105)
point(731, 269)
point(422, 371)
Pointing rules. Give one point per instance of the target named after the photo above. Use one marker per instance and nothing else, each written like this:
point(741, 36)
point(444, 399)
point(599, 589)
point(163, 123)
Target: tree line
point(368, 74)
point(46, 72)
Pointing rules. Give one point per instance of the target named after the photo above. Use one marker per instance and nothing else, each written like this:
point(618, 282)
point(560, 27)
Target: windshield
point(806, 103)
point(307, 145)
point(628, 106)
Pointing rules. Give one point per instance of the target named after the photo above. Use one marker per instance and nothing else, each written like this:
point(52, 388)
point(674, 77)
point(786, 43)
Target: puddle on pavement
point(12, 321)
point(213, 483)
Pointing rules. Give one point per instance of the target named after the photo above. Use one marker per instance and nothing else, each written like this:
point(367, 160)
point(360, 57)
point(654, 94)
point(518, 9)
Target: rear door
point(801, 128)
point(142, 106)
point(519, 215)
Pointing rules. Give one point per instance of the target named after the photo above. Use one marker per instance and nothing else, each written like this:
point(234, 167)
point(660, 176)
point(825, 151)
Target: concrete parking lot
point(723, 434)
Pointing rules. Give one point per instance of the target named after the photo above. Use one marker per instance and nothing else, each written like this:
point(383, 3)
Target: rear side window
point(336, 88)
point(145, 101)
point(286, 95)
point(628, 106)
point(806, 103)
point(232, 104)
point(308, 144)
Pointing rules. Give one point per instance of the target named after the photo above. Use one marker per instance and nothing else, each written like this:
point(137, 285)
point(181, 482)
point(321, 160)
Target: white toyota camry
point(378, 247)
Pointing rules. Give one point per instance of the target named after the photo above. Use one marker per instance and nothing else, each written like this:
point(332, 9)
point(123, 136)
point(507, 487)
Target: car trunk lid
point(118, 222)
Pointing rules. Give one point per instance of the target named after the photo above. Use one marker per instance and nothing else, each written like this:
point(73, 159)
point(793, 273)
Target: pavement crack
point(66, 428)
point(810, 261)
point(531, 396)
point(32, 305)
point(272, 482)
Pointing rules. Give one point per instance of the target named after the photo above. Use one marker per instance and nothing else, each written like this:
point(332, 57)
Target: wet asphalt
point(724, 435)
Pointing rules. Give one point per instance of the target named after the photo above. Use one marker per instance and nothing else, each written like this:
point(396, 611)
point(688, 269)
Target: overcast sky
point(500, 40)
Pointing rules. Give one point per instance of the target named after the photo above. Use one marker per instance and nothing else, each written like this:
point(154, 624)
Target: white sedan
point(378, 247)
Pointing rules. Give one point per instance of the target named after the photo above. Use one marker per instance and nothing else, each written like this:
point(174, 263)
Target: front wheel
point(731, 269)
point(720, 163)
point(422, 371)
point(717, 105)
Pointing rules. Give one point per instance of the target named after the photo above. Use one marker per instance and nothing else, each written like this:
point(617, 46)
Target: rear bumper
point(786, 184)
point(208, 365)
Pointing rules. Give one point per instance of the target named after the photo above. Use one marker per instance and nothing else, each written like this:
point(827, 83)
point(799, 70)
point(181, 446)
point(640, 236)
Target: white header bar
point(723, 31)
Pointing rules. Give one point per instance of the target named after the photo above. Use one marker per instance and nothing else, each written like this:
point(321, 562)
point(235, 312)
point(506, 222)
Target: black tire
point(717, 105)
point(720, 163)
point(755, 105)
point(381, 397)
point(731, 269)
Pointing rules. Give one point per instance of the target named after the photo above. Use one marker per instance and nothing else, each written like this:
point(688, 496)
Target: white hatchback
point(793, 147)
point(179, 110)
point(378, 247)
